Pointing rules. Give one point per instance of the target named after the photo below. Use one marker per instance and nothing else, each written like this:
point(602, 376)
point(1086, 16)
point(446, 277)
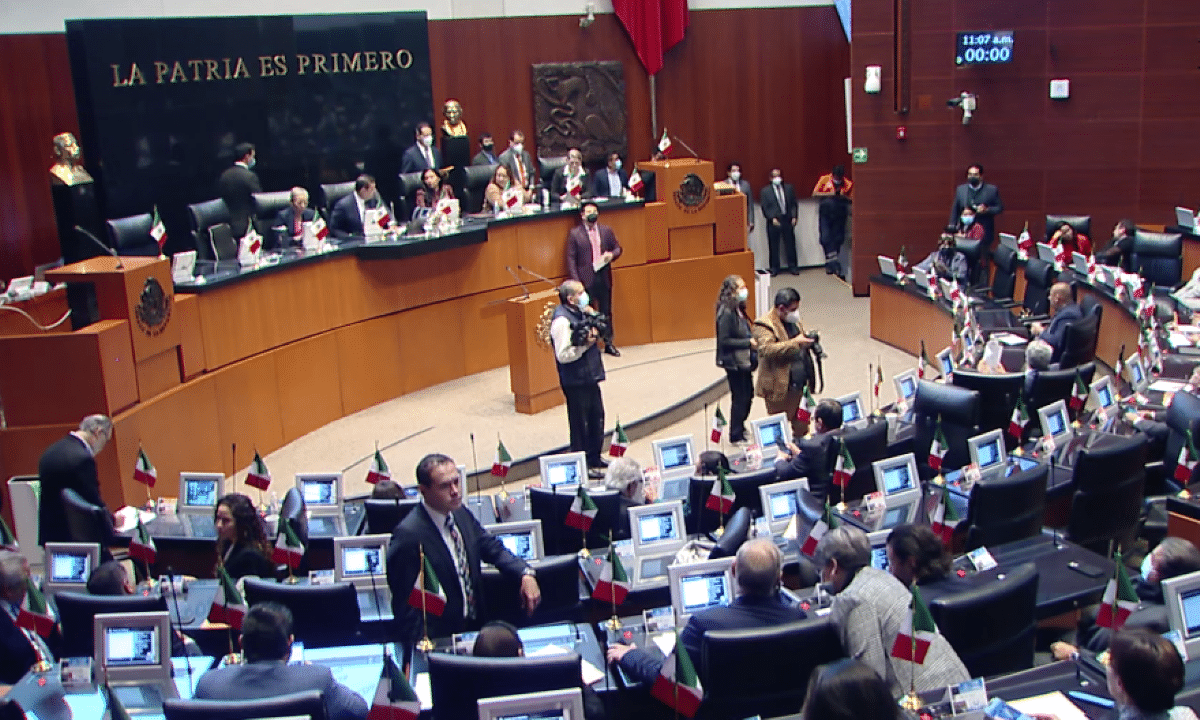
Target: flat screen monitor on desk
point(699, 586)
point(674, 456)
point(879, 558)
point(69, 565)
point(906, 386)
point(1055, 422)
point(563, 470)
point(199, 492)
point(523, 539)
point(987, 450)
point(896, 475)
point(768, 432)
point(1102, 394)
point(361, 560)
point(780, 502)
point(133, 647)
point(546, 705)
point(657, 528)
point(852, 410)
point(322, 492)
point(945, 361)
point(898, 509)
point(1135, 373)
point(1182, 596)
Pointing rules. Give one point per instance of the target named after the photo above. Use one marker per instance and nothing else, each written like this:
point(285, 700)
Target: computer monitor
point(523, 539)
point(852, 408)
point(199, 492)
point(879, 558)
point(896, 475)
point(657, 528)
point(987, 450)
point(768, 432)
point(69, 565)
point(1182, 597)
point(906, 386)
point(546, 705)
point(357, 560)
point(780, 502)
point(945, 361)
point(674, 456)
point(322, 492)
point(1054, 419)
point(1135, 373)
point(1102, 394)
point(700, 585)
point(132, 647)
point(898, 509)
point(563, 470)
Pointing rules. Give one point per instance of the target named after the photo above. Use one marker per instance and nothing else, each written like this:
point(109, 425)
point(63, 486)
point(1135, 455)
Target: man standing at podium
point(70, 463)
point(237, 186)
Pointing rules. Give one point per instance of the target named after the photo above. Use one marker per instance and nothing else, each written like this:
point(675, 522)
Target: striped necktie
point(464, 571)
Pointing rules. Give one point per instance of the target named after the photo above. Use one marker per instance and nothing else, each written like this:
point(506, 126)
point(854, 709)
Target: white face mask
point(427, 140)
point(735, 175)
point(776, 181)
point(743, 294)
point(967, 219)
point(793, 317)
point(518, 148)
point(616, 164)
point(582, 300)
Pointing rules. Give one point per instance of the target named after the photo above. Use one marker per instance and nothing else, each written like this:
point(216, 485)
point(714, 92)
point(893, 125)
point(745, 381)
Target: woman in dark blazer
point(736, 352)
point(242, 545)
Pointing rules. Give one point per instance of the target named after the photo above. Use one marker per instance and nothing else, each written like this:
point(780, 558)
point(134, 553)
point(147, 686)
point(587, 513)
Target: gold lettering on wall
point(235, 68)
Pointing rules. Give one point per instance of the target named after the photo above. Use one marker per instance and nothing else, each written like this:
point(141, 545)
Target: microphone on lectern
point(518, 279)
point(82, 231)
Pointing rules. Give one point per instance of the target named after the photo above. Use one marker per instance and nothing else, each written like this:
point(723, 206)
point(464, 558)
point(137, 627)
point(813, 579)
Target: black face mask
point(488, 147)
point(974, 182)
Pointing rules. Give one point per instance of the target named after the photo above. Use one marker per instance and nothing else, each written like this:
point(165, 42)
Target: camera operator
point(574, 330)
point(785, 360)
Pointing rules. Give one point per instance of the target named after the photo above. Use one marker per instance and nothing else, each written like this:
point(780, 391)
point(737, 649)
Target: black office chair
point(10, 710)
point(551, 508)
point(1047, 386)
point(384, 515)
point(310, 704)
point(958, 409)
point(1005, 642)
point(332, 192)
point(1004, 274)
point(1005, 509)
point(202, 217)
point(1109, 482)
point(131, 235)
point(458, 682)
point(547, 166)
point(558, 578)
point(744, 673)
point(323, 615)
point(1039, 276)
point(409, 184)
point(997, 397)
point(737, 528)
point(699, 519)
point(1158, 257)
point(88, 523)
point(266, 206)
point(1081, 224)
point(76, 612)
point(1182, 415)
point(976, 252)
point(221, 243)
point(478, 177)
point(1079, 342)
point(866, 445)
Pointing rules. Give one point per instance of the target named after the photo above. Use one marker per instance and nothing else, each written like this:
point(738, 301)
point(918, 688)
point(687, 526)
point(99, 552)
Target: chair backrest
point(131, 235)
point(1004, 277)
point(974, 251)
point(87, 522)
point(1110, 482)
point(409, 184)
point(323, 615)
point(332, 192)
point(866, 445)
point(1004, 643)
point(76, 612)
point(997, 395)
point(700, 519)
point(547, 166)
point(222, 245)
point(458, 682)
point(310, 704)
point(1158, 257)
point(1082, 224)
point(558, 578)
point(203, 216)
point(1007, 509)
point(384, 515)
point(23, 498)
point(742, 672)
point(1182, 415)
point(1051, 385)
point(266, 206)
point(1079, 342)
point(737, 528)
point(551, 508)
point(958, 409)
point(478, 177)
point(1039, 276)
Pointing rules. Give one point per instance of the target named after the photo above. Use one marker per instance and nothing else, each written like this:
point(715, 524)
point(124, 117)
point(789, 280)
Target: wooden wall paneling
point(433, 350)
point(484, 329)
point(247, 410)
point(308, 385)
point(157, 374)
point(191, 339)
point(903, 320)
point(691, 242)
point(671, 319)
point(631, 306)
point(658, 247)
point(46, 309)
point(371, 362)
point(542, 248)
point(22, 447)
point(730, 223)
point(630, 228)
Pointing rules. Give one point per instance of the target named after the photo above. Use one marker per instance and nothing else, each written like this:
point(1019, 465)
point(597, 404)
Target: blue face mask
point(967, 219)
point(251, 163)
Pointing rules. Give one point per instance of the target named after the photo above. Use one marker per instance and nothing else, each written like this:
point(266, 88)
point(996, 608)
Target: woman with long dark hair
point(242, 546)
point(736, 352)
point(848, 690)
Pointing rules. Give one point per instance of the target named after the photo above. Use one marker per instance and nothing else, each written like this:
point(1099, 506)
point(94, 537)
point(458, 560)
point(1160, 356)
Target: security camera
point(590, 17)
point(966, 101)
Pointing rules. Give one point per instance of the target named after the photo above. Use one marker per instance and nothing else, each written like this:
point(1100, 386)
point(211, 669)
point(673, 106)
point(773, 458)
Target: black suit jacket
point(287, 216)
point(344, 220)
point(245, 560)
point(236, 187)
point(417, 532)
point(414, 161)
point(770, 204)
point(16, 653)
point(600, 186)
point(66, 464)
point(579, 252)
point(985, 194)
point(813, 462)
point(558, 185)
point(1056, 333)
point(267, 679)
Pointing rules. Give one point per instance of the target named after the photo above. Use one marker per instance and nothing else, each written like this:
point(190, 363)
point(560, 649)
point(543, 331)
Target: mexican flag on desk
point(613, 585)
point(320, 229)
point(718, 425)
point(1020, 418)
point(1079, 394)
point(1119, 599)
point(939, 447)
point(922, 361)
point(678, 685)
point(228, 605)
point(288, 548)
point(619, 443)
point(945, 518)
point(664, 143)
point(379, 469)
point(394, 696)
point(141, 545)
point(1187, 460)
point(258, 476)
point(720, 497)
point(828, 521)
point(807, 406)
point(35, 614)
point(636, 184)
point(1025, 241)
point(158, 231)
point(917, 632)
point(582, 512)
point(503, 460)
point(143, 470)
point(427, 593)
point(844, 468)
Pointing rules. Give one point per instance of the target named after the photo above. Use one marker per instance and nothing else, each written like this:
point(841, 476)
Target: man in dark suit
point(236, 186)
point(423, 155)
point(982, 197)
point(813, 457)
point(19, 648)
point(610, 180)
point(1063, 313)
point(267, 646)
point(70, 463)
point(346, 218)
point(487, 151)
point(780, 211)
point(759, 604)
point(588, 245)
point(293, 217)
point(455, 544)
point(520, 164)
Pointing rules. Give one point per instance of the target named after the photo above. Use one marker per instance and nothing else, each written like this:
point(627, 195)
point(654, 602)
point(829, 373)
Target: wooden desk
point(902, 319)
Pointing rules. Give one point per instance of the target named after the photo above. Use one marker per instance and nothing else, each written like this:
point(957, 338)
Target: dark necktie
point(464, 572)
point(296, 225)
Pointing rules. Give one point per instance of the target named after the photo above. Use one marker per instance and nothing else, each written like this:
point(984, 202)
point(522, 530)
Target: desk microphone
point(686, 146)
point(543, 278)
point(518, 279)
point(179, 621)
point(84, 232)
point(375, 593)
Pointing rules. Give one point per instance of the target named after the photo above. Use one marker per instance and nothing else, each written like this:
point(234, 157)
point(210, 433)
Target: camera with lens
point(590, 321)
point(816, 344)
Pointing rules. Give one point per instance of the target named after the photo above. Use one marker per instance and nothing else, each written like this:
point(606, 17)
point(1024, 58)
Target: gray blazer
point(869, 614)
point(273, 678)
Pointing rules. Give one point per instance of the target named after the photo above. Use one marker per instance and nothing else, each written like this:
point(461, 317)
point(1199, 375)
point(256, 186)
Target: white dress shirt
point(439, 521)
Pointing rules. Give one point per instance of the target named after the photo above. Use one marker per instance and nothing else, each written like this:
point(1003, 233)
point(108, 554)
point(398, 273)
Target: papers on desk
point(1007, 338)
point(423, 690)
point(1053, 704)
point(665, 642)
point(1180, 340)
point(591, 673)
point(127, 518)
point(1167, 386)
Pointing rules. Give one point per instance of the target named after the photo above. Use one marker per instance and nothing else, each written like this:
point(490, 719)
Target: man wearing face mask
point(780, 211)
point(520, 165)
point(591, 250)
point(981, 197)
point(785, 366)
point(835, 191)
point(570, 183)
point(610, 180)
point(736, 180)
point(947, 262)
point(423, 154)
point(580, 372)
point(487, 151)
point(237, 186)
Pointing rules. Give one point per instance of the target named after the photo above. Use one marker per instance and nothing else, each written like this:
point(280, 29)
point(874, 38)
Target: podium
point(685, 187)
point(533, 374)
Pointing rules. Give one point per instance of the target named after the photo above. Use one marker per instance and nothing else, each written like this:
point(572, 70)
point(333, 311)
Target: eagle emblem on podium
point(153, 309)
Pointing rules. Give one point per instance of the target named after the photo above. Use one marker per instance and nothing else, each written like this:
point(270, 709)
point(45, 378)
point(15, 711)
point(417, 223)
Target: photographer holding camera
point(574, 329)
point(785, 359)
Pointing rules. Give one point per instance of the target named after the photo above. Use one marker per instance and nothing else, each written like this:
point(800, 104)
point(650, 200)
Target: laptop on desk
point(1079, 263)
point(133, 655)
point(1010, 240)
point(198, 495)
point(322, 493)
point(658, 534)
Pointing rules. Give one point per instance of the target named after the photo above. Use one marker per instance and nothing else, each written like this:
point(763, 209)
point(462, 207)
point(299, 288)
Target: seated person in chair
point(20, 649)
point(572, 174)
point(242, 547)
point(757, 570)
point(112, 579)
point(499, 639)
point(267, 645)
point(810, 457)
point(1071, 241)
point(1063, 312)
point(387, 489)
point(946, 262)
point(624, 475)
point(916, 554)
point(967, 227)
point(431, 191)
point(346, 218)
point(1116, 252)
point(1145, 673)
point(293, 217)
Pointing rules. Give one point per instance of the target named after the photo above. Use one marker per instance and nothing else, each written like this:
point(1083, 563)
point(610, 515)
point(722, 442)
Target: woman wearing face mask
point(967, 227)
point(737, 352)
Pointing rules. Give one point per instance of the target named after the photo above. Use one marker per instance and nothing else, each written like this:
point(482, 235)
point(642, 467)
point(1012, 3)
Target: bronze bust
point(453, 125)
point(67, 168)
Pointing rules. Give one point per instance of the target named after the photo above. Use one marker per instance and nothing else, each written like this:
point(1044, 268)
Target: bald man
point(1063, 312)
point(757, 570)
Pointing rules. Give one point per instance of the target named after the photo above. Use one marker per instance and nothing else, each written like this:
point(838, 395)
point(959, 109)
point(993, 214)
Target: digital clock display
point(984, 48)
